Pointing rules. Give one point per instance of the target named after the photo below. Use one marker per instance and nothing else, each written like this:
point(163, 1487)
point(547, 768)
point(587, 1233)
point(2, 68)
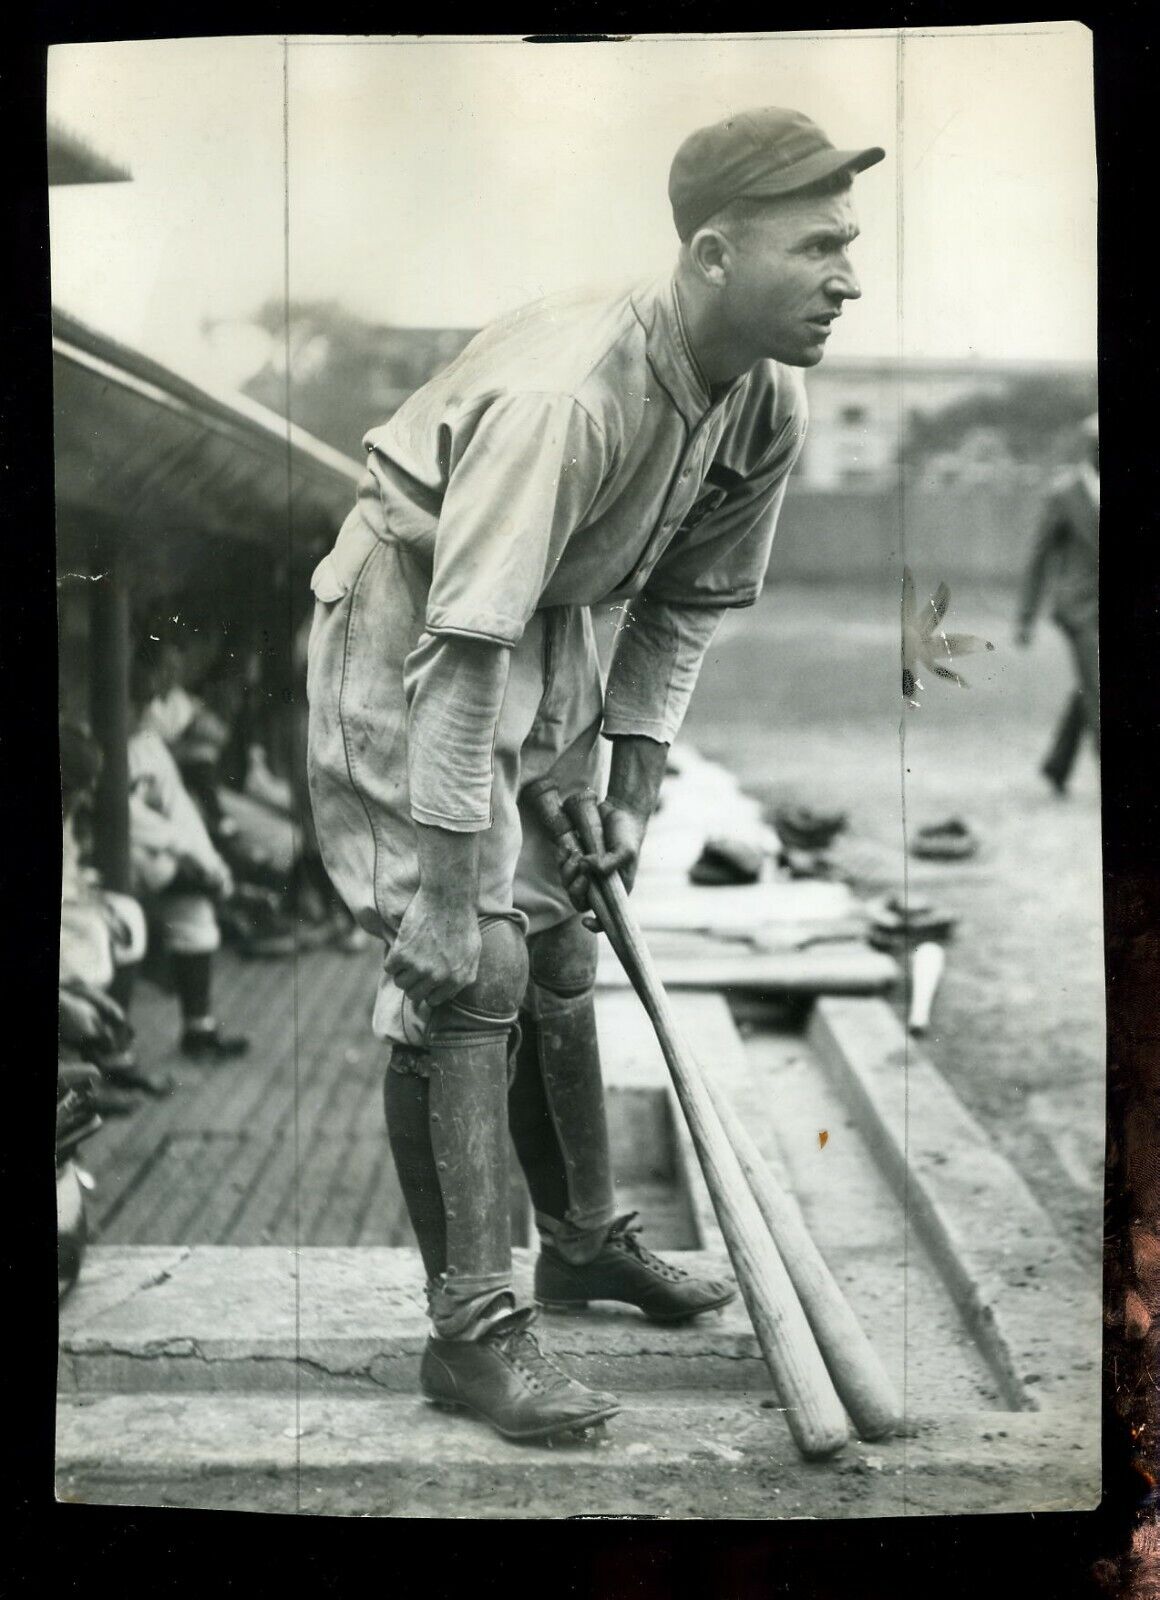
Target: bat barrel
point(814, 1413)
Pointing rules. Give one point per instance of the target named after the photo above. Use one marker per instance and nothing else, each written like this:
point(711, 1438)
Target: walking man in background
point(1065, 562)
point(628, 449)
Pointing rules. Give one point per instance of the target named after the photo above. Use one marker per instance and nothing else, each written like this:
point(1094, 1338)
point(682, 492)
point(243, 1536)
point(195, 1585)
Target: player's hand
point(436, 950)
point(624, 832)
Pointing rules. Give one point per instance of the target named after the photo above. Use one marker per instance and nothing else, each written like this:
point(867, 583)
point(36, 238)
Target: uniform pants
point(369, 616)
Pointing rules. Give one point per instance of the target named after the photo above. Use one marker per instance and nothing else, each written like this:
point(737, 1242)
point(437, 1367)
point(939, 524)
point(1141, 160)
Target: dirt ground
point(801, 699)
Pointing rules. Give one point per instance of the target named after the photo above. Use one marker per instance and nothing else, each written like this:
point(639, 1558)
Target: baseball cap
point(769, 151)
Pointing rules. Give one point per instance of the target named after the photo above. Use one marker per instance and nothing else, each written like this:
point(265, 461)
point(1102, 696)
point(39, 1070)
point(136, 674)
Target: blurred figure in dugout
point(1064, 565)
point(102, 940)
point(197, 711)
point(177, 872)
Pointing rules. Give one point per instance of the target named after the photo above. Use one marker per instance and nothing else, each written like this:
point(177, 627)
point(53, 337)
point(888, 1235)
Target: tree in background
point(346, 374)
point(1023, 426)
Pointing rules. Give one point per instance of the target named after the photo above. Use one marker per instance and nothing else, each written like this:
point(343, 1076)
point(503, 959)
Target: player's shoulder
point(781, 391)
point(577, 346)
point(772, 412)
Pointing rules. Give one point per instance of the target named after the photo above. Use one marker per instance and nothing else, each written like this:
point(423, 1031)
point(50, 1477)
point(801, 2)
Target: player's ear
point(710, 254)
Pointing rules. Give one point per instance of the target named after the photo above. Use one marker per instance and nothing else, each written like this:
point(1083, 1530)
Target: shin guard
point(556, 1103)
point(448, 1131)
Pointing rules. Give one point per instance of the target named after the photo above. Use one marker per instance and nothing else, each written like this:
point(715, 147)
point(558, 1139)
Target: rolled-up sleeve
point(522, 473)
point(455, 689)
point(659, 650)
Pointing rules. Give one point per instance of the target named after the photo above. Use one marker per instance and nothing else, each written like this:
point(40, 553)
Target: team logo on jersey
point(719, 483)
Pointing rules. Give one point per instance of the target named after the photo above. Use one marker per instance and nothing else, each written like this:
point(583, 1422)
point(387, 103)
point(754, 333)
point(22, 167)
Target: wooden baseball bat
point(814, 1412)
point(857, 1372)
point(927, 963)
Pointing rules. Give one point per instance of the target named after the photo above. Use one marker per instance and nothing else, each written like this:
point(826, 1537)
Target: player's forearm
point(636, 773)
point(657, 659)
point(448, 867)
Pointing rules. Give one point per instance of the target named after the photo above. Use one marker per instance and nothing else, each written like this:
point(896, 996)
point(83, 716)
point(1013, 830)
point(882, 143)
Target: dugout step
point(675, 1454)
point(260, 1320)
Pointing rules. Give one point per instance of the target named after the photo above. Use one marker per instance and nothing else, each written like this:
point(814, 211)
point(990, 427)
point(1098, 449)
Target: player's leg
point(556, 1105)
point(1065, 743)
point(445, 1119)
point(190, 935)
point(446, 1082)
point(559, 1129)
point(1085, 646)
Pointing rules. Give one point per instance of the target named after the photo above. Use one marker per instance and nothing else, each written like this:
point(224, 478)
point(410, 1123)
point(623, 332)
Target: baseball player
point(1064, 562)
point(587, 450)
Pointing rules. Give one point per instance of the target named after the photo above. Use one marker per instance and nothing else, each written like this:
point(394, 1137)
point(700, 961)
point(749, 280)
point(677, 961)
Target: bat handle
point(544, 799)
point(582, 810)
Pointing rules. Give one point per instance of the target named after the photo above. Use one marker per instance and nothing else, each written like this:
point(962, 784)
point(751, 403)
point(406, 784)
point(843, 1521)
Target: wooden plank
point(158, 1208)
point(227, 1204)
point(381, 1216)
point(302, 1160)
point(852, 969)
point(332, 1183)
point(738, 910)
point(322, 1097)
point(122, 1145)
point(250, 1094)
point(190, 1116)
point(186, 1195)
point(255, 1094)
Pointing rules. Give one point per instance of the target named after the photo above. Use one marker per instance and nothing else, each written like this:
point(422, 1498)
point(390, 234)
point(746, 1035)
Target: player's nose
point(843, 281)
point(844, 285)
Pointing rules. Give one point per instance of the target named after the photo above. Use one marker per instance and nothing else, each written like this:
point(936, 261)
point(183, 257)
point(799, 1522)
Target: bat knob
point(583, 811)
point(544, 799)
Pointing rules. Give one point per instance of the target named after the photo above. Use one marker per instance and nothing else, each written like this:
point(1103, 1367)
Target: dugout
point(172, 501)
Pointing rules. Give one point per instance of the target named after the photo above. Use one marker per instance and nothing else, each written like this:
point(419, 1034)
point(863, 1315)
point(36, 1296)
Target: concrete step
point(344, 1320)
point(1029, 1305)
point(247, 1319)
point(670, 1454)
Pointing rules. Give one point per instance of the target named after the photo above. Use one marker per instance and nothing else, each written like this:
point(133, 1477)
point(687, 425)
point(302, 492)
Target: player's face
point(790, 275)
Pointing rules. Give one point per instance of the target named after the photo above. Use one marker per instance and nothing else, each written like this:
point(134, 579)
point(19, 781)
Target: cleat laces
point(625, 1236)
point(521, 1349)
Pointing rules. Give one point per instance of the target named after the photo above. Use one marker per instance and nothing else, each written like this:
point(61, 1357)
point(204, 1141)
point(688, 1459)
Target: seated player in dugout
point(629, 451)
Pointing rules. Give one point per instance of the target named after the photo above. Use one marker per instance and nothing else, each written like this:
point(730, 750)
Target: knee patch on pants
point(562, 962)
point(488, 1006)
